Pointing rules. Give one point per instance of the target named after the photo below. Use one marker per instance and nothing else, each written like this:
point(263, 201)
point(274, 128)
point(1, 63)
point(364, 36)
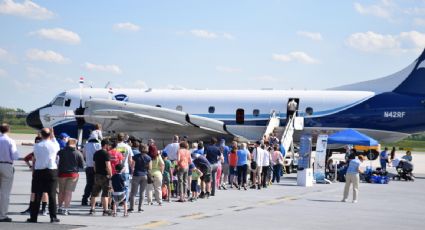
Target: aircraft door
point(240, 116)
point(292, 107)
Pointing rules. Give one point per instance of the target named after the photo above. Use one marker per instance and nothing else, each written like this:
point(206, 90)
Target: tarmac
point(399, 204)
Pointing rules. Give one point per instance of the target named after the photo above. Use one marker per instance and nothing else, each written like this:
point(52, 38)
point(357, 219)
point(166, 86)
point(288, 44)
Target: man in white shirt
point(8, 153)
point(92, 145)
point(258, 157)
point(266, 166)
point(172, 149)
point(45, 174)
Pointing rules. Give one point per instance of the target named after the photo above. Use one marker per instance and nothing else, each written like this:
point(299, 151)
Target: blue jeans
point(383, 164)
point(127, 183)
point(277, 173)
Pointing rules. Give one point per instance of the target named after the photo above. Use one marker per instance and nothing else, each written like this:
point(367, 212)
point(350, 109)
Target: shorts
point(118, 197)
point(258, 170)
point(166, 180)
point(233, 171)
point(194, 186)
point(67, 184)
point(101, 183)
point(206, 178)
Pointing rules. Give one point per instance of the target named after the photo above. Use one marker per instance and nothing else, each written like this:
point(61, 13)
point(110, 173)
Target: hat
point(258, 142)
point(63, 135)
point(119, 167)
point(164, 154)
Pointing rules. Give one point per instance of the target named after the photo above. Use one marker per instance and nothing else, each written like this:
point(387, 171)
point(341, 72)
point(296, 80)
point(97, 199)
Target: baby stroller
point(404, 170)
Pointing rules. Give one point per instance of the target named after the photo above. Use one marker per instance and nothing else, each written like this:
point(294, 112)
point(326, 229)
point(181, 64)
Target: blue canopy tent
point(351, 137)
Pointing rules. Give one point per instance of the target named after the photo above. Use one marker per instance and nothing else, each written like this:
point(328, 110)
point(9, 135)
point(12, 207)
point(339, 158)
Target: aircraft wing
point(121, 116)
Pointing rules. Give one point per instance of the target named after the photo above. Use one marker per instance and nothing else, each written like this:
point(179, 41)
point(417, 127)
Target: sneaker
point(130, 210)
point(252, 187)
point(92, 211)
point(344, 200)
point(354, 201)
point(140, 210)
point(29, 220)
point(107, 212)
point(44, 213)
point(65, 212)
point(54, 220)
point(7, 219)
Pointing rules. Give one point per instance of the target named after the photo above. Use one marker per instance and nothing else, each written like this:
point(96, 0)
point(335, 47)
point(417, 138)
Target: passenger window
point(68, 102)
point(159, 106)
point(58, 101)
point(240, 116)
point(179, 108)
point(309, 111)
point(211, 109)
point(256, 112)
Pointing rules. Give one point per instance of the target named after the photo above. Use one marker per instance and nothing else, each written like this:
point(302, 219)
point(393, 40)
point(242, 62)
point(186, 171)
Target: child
point(174, 177)
point(196, 174)
point(166, 177)
point(118, 186)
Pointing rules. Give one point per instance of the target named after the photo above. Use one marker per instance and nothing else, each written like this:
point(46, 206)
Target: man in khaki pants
point(352, 177)
point(8, 153)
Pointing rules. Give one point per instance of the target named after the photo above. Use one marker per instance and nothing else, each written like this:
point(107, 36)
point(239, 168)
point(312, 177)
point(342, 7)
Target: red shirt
point(233, 159)
point(184, 158)
point(116, 157)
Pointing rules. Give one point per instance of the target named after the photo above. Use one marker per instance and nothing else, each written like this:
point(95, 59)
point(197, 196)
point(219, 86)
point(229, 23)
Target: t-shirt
point(353, 167)
point(233, 159)
point(118, 182)
point(100, 158)
point(167, 167)
point(126, 153)
point(195, 175)
point(115, 158)
point(184, 158)
point(171, 150)
point(156, 166)
point(135, 151)
point(199, 151)
point(226, 150)
point(212, 153)
point(258, 154)
point(141, 164)
point(202, 164)
point(242, 157)
point(384, 155)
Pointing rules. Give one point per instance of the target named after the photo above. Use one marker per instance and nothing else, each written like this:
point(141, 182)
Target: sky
point(46, 45)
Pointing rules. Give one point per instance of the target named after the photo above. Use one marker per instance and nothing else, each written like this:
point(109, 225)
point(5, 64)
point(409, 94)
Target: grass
point(408, 145)
point(22, 129)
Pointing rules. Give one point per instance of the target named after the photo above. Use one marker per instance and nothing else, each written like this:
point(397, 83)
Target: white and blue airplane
point(387, 109)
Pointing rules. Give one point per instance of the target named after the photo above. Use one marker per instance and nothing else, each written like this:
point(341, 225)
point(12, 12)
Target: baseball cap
point(63, 135)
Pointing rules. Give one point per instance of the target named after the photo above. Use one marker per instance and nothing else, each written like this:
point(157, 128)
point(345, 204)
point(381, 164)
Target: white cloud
point(126, 26)
point(35, 73)
point(26, 9)
point(58, 34)
point(295, 56)
point(383, 9)
point(311, 35)
point(7, 56)
point(211, 35)
point(103, 68)
point(47, 56)
point(373, 42)
point(226, 69)
point(3, 73)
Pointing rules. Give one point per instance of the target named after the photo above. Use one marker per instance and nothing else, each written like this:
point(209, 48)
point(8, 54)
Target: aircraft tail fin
point(415, 81)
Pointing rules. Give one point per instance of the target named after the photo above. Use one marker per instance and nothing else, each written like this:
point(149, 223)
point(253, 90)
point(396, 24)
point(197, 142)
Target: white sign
point(320, 159)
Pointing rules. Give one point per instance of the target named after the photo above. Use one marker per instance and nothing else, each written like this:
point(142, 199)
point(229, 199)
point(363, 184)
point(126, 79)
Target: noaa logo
point(121, 97)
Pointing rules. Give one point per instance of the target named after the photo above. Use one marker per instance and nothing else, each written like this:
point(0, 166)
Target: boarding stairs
point(288, 134)
point(274, 123)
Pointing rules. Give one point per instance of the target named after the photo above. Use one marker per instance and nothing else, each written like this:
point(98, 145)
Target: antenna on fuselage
point(107, 84)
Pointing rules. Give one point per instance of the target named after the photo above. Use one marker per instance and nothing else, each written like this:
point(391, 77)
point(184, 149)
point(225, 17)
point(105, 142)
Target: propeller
point(80, 118)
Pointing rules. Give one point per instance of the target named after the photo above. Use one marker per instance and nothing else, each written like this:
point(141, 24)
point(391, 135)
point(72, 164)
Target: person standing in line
point(213, 155)
point(45, 174)
point(204, 166)
point(93, 145)
point(242, 165)
point(166, 176)
point(172, 149)
point(277, 158)
point(118, 187)
point(156, 173)
point(102, 177)
point(266, 166)
point(233, 163)
point(183, 161)
point(8, 153)
point(224, 178)
point(63, 140)
point(352, 177)
point(258, 157)
point(127, 153)
point(142, 163)
point(383, 159)
point(70, 161)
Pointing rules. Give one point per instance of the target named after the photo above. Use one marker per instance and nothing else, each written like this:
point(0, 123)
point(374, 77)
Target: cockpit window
point(58, 101)
point(68, 102)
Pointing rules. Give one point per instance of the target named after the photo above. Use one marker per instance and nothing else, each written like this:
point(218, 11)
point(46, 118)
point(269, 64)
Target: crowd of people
point(121, 167)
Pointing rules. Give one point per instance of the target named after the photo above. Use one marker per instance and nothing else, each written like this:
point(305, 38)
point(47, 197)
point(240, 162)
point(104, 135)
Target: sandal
point(126, 214)
point(114, 214)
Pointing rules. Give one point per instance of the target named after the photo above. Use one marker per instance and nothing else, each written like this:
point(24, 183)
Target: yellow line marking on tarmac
point(154, 224)
point(194, 216)
point(278, 200)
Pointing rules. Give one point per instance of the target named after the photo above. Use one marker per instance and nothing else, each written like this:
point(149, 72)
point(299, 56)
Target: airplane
point(387, 109)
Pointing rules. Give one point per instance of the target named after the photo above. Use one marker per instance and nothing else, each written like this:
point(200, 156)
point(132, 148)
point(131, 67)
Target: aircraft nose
point(33, 119)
